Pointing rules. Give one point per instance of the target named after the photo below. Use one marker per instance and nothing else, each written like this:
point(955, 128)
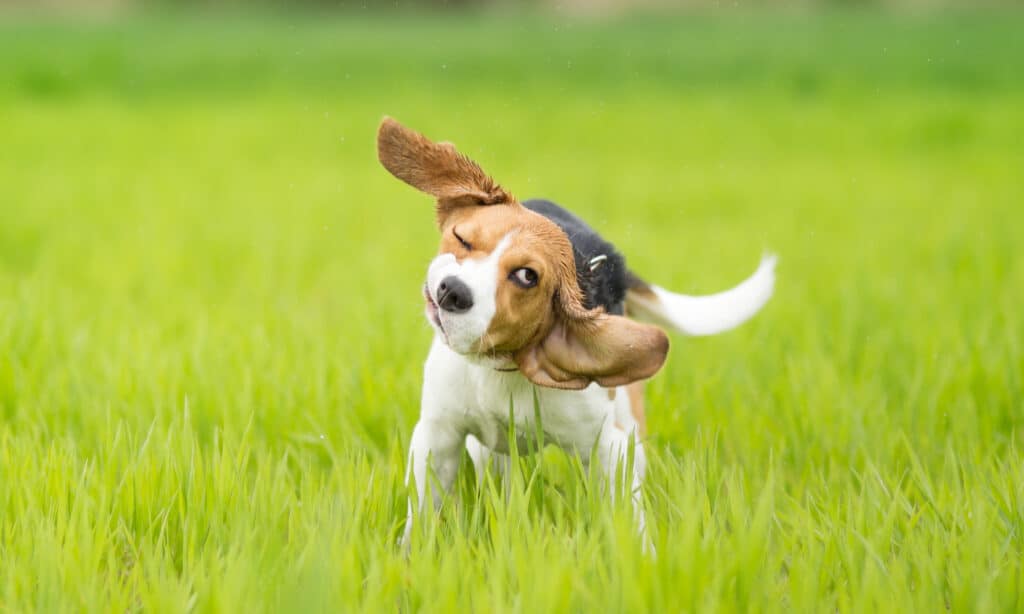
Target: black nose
point(454, 295)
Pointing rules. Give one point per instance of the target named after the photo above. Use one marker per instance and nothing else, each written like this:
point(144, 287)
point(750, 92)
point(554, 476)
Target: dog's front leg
point(482, 457)
point(437, 446)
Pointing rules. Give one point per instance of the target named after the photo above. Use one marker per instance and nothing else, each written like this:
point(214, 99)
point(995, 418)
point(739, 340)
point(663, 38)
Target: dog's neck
point(499, 362)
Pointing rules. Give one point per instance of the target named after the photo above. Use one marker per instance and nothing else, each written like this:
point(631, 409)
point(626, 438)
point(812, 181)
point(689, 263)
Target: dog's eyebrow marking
point(502, 245)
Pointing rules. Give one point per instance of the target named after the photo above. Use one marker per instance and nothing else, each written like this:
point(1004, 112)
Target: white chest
point(481, 401)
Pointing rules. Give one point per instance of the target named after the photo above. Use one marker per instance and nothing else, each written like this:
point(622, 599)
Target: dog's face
point(491, 288)
point(504, 282)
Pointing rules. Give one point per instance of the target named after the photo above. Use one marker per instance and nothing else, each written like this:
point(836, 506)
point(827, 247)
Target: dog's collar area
point(496, 362)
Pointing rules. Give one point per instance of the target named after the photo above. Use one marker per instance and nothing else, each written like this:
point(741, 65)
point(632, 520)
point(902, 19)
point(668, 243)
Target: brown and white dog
point(529, 302)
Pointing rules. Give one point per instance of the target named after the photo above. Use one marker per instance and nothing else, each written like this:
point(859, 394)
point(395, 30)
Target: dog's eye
point(524, 277)
point(464, 243)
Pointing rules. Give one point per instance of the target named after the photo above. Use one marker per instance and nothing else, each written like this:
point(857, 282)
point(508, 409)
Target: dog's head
point(504, 283)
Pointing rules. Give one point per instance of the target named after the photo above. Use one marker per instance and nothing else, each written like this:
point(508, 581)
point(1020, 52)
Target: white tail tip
point(706, 315)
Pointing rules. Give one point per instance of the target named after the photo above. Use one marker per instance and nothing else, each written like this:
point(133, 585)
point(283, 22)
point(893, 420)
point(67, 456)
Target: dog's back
point(600, 268)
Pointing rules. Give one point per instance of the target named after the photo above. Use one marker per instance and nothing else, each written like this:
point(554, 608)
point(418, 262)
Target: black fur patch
point(603, 283)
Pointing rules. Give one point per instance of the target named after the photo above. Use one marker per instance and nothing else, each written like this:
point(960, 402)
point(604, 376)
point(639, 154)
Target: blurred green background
point(211, 336)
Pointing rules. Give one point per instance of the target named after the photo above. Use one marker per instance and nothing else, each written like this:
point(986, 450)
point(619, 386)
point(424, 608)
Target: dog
point(530, 305)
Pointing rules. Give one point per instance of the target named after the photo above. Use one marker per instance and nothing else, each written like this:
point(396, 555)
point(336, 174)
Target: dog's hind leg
point(636, 406)
point(629, 407)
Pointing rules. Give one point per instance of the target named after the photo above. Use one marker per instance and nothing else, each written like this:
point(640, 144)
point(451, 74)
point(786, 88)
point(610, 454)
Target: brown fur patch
point(636, 405)
point(637, 285)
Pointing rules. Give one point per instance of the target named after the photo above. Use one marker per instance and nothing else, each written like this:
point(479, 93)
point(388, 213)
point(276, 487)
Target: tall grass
point(211, 340)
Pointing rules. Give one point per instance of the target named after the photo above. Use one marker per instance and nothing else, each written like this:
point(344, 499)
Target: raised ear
point(435, 168)
point(610, 350)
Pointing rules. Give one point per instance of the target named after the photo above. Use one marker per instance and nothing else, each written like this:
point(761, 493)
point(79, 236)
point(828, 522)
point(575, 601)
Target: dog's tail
point(701, 315)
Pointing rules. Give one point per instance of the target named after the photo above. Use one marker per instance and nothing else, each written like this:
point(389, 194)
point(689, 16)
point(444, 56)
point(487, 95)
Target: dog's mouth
point(433, 312)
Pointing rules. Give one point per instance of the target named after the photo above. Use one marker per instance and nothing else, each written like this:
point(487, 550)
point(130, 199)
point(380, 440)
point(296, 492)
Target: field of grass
point(211, 335)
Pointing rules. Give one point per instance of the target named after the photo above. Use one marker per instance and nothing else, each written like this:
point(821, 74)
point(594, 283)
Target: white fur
point(706, 315)
point(463, 330)
point(466, 404)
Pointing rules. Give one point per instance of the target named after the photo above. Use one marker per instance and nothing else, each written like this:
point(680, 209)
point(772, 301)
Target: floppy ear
point(435, 168)
point(592, 346)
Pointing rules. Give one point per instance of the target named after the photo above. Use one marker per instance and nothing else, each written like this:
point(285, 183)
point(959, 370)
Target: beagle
point(528, 302)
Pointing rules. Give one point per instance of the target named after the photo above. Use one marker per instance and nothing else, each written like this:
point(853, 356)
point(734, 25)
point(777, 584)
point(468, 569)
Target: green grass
point(211, 336)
